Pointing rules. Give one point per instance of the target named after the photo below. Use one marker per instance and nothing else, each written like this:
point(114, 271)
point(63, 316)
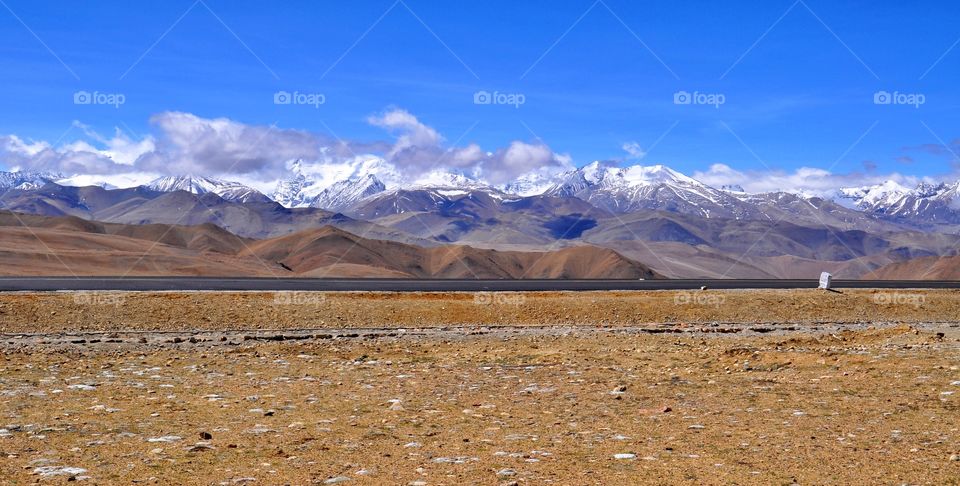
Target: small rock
point(506, 472)
point(624, 456)
point(337, 479)
point(59, 471)
point(165, 438)
point(955, 457)
point(696, 427)
point(205, 436)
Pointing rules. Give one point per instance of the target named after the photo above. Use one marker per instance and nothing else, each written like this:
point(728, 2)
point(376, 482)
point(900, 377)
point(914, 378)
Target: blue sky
point(797, 78)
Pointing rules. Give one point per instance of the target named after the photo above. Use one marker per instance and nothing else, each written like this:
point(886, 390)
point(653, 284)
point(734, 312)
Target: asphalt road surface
point(9, 284)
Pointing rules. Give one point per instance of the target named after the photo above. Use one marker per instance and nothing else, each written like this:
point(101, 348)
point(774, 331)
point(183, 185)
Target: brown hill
point(924, 268)
point(67, 245)
point(328, 250)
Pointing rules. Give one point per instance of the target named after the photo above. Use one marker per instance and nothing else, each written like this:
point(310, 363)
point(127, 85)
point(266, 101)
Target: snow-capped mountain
point(294, 191)
point(532, 184)
point(657, 187)
point(228, 190)
point(345, 194)
point(27, 180)
point(307, 181)
point(925, 204)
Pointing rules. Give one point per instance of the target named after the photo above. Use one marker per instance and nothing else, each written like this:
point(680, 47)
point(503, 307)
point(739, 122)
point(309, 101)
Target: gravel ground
point(109, 311)
point(636, 402)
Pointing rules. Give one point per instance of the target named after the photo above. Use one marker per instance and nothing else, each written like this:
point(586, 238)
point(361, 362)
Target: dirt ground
point(855, 402)
point(106, 311)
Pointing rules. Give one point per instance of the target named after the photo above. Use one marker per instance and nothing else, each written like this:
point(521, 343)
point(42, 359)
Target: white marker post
point(826, 280)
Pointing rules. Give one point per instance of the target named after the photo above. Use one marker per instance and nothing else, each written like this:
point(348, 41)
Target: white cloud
point(806, 180)
point(634, 150)
point(187, 143)
point(411, 132)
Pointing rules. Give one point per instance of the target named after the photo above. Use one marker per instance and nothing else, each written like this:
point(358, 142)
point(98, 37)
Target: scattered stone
point(506, 473)
point(624, 455)
point(337, 479)
point(200, 447)
point(259, 429)
point(454, 460)
point(696, 427)
point(59, 471)
point(165, 438)
point(82, 387)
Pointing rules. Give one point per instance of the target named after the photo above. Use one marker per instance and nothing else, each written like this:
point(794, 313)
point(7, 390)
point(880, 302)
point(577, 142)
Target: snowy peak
point(27, 179)
point(638, 175)
point(228, 190)
point(344, 194)
point(449, 180)
point(532, 184)
point(885, 195)
point(926, 203)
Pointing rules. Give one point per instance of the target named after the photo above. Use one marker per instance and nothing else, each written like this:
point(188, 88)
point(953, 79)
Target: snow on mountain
point(924, 204)
point(531, 184)
point(308, 180)
point(344, 194)
point(230, 191)
point(886, 194)
point(448, 180)
point(656, 187)
point(26, 180)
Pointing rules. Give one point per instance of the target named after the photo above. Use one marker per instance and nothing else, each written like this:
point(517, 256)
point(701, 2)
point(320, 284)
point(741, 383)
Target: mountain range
point(674, 223)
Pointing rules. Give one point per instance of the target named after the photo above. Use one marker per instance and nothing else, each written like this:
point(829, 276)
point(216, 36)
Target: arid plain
point(461, 388)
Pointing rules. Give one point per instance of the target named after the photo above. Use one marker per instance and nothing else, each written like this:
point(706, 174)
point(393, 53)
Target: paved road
point(410, 285)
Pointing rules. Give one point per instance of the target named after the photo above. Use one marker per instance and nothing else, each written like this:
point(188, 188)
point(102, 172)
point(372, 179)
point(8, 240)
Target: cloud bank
point(184, 143)
point(806, 180)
